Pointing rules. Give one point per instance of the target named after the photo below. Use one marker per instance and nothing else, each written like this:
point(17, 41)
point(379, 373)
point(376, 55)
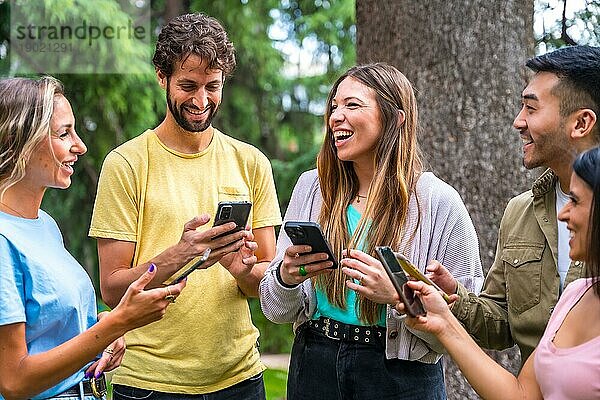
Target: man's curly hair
point(196, 34)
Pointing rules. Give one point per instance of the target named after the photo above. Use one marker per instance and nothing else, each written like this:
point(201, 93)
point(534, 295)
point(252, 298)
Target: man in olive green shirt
point(557, 121)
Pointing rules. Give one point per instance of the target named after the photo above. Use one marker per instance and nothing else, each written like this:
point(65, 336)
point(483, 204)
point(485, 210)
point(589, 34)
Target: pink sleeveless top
point(568, 373)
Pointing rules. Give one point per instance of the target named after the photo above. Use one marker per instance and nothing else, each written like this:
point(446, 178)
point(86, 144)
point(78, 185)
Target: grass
point(275, 384)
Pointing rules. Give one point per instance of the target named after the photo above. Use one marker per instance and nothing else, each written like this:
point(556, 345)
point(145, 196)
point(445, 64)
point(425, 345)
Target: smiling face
point(51, 163)
point(542, 129)
point(193, 93)
point(576, 213)
point(355, 121)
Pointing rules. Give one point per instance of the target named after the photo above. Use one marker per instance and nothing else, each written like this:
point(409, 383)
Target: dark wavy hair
point(578, 69)
point(196, 34)
point(587, 167)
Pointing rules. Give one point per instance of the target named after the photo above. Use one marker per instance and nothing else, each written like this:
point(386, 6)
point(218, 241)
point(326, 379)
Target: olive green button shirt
point(523, 285)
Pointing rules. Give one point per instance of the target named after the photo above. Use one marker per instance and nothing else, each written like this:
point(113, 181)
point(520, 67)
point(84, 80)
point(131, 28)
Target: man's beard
point(187, 125)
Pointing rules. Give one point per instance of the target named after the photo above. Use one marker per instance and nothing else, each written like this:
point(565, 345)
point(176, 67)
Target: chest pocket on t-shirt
point(233, 193)
point(523, 275)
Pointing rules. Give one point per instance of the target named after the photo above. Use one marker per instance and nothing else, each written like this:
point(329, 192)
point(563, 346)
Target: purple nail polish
point(87, 375)
point(98, 375)
point(152, 267)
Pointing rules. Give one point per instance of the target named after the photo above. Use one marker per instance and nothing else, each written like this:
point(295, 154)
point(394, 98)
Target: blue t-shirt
point(350, 314)
point(42, 285)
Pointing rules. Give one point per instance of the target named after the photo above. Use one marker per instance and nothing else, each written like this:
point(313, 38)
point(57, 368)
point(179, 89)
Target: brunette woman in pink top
point(566, 363)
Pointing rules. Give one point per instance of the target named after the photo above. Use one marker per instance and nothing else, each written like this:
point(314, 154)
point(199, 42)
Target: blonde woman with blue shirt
point(52, 342)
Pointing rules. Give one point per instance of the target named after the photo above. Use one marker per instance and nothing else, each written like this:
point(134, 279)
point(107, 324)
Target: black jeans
point(323, 368)
point(251, 389)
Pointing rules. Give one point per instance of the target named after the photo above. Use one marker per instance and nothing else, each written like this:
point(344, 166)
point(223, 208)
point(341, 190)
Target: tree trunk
point(466, 60)
point(174, 8)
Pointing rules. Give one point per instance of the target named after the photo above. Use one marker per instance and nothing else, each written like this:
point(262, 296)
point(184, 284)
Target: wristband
point(278, 276)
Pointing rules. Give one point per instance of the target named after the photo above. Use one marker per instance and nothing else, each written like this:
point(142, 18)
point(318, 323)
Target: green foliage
point(83, 21)
point(275, 384)
point(579, 23)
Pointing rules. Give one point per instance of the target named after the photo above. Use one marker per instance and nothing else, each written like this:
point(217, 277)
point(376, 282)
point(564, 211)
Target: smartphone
point(191, 269)
point(414, 272)
point(310, 233)
point(412, 304)
point(232, 211)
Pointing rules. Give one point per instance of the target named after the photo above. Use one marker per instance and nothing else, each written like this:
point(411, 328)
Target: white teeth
point(526, 141)
point(342, 135)
point(195, 111)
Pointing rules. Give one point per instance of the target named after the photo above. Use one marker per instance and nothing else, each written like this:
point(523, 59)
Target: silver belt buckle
point(326, 330)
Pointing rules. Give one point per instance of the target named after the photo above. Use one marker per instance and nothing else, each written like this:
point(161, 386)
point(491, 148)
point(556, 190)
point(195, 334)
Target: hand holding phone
point(412, 304)
point(310, 233)
point(414, 272)
point(232, 211)
point(191, 269)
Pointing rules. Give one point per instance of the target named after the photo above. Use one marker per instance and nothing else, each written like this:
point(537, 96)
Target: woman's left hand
point(373, 282)
point(111, 356)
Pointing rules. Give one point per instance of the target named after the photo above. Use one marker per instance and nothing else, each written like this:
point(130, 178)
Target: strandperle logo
point(86, 32)
point(80, 36)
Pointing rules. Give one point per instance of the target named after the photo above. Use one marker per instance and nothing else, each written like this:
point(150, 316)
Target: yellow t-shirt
point(146, 193)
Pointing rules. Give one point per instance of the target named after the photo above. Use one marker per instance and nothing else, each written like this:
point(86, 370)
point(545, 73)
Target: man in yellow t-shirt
point(168, 180)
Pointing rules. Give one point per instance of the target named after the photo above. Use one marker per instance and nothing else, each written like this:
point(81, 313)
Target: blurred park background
point(465, 58)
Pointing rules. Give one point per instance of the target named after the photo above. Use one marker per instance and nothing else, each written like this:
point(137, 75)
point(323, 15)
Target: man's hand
point(194, 243)
point(240, 263)
point(441, 277)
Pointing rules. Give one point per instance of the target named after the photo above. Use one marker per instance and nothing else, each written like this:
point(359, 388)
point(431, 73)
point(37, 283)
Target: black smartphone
point(191, 269)
point(309, 233)
point(232, 211)
point(412, 304)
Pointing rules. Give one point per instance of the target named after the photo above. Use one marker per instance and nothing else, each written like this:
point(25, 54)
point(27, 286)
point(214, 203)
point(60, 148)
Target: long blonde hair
point(26, 107)
point(397, 168)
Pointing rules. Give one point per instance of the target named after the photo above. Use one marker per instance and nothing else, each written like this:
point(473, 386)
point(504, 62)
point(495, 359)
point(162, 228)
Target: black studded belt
point(91, 387)
point(337, 330)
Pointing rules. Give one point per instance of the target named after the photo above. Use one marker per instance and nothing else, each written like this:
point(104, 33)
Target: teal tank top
point(350, 314)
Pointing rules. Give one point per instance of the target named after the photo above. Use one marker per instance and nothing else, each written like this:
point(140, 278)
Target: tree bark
point(466, 60)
